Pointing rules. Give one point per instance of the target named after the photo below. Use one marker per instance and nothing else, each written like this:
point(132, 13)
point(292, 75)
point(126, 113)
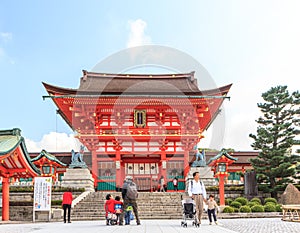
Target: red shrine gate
point(139, 125)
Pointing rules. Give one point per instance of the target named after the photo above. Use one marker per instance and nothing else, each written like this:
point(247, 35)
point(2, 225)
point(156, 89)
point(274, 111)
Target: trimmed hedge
point(56, 202)
point(257, 208)
point(29, 189)
point(252, 203)
point(270, 199)
point(241, 200)
point(235, 204)
point(278, 208)
point(228, 201)
point(30, 203)
point(270, 208)
point(270, 203)
point(228, 209)
point(245, 209)
point(256, 199)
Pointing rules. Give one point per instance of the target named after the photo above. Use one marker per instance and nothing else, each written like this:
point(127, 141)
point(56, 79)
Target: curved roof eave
point(5, 152)
point(55, 90)
point(27, 157)
point(49, 156)
point(219, 155)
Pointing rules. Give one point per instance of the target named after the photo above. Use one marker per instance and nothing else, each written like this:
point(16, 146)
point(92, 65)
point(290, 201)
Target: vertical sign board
point(42, 195)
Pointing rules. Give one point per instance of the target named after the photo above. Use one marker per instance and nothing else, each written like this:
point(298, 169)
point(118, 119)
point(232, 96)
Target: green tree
point(275, 137)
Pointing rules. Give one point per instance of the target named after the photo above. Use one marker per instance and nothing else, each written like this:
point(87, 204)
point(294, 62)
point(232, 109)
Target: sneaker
point(138, 223)
point(216, 222)
point(210, 223)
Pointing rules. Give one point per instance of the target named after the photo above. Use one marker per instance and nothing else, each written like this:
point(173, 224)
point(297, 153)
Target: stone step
point(150, 206)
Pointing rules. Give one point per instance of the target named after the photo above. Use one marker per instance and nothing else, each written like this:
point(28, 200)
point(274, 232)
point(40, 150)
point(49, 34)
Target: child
point(211, 209)
point(109, 207)
point(128, 214)
point(118, 207)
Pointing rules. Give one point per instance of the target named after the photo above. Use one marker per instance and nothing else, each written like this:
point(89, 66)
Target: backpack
point(131, 191)
point(118, 208)
point(201, 183)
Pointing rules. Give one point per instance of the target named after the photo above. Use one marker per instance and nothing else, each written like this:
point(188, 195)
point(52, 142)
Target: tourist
point(129, 195)
point(67, 204)
point(175, 183)
point(197, 192)
point(162, 184)
point(128, 215)
point(109, 207)
point(118, 207)
point(212, 206)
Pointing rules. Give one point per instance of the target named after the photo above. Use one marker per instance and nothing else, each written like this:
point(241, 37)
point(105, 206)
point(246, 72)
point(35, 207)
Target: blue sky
point(253, 44)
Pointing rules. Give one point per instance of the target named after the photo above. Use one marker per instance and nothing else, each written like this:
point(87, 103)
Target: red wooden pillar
point(186, 163)
point(118, 168)
point(221, 189)
point(5, 199)
point(95, 167)
point(163, 160)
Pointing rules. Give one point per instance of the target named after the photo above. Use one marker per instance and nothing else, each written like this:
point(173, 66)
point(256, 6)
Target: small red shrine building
point(49, 165)
point(15, 163)
point(143, 125)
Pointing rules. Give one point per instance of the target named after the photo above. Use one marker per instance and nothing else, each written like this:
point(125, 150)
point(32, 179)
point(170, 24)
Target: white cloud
point(2, 53)
point(137, 36)
point(6, 36)
point(54, 142)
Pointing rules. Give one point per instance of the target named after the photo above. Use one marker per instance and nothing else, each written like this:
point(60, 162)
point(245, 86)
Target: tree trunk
point(272, 185)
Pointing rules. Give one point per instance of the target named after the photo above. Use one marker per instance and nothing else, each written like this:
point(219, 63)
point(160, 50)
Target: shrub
point(270, 199)
point(20, 203)
point(252, 203)
point(245, 209)
point(278, 208)
point(56, 202)
point(270, 203)
point(212, 188)
point(228, 209)
point(242, 200)
point(235, 188)
point(228, 201)
point(257, 208)
point(21, 189)
point(235, 204)
point(270, 208)
point(256, 199)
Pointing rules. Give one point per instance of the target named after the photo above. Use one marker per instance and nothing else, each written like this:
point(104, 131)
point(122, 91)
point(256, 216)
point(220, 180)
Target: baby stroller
point(189, 212)
point(112, 218)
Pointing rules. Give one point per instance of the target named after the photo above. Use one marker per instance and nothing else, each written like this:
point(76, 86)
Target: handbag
point(131, 216)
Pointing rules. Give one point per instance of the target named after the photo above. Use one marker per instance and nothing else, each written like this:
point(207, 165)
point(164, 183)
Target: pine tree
point(275, 137)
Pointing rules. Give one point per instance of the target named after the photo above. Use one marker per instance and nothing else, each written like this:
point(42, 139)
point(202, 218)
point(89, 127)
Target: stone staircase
point(154, 205)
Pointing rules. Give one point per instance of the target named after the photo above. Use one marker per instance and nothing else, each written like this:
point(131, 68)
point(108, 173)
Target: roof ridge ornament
point(84, 78)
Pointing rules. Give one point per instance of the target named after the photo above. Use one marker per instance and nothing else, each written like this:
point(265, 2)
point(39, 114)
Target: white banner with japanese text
point(42, 194)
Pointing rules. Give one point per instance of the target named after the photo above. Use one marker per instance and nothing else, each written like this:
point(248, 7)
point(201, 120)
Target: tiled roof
point(137, 84)
point(12, 139)
point(49, 156)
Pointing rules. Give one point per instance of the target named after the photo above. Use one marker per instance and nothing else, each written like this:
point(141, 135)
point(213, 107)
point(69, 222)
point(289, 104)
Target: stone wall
point(25, 213)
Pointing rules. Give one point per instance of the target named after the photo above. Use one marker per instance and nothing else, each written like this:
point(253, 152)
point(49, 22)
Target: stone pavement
point(261, 225)
point(264, 225)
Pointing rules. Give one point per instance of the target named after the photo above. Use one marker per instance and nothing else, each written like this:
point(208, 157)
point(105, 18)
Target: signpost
point(42, 195)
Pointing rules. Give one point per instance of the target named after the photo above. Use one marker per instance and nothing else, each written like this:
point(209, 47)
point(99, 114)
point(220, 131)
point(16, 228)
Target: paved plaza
point(258, 225)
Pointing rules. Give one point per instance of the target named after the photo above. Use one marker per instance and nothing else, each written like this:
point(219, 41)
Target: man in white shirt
point(197, 192)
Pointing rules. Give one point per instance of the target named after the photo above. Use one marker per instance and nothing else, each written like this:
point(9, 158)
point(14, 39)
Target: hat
point(128, 178)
